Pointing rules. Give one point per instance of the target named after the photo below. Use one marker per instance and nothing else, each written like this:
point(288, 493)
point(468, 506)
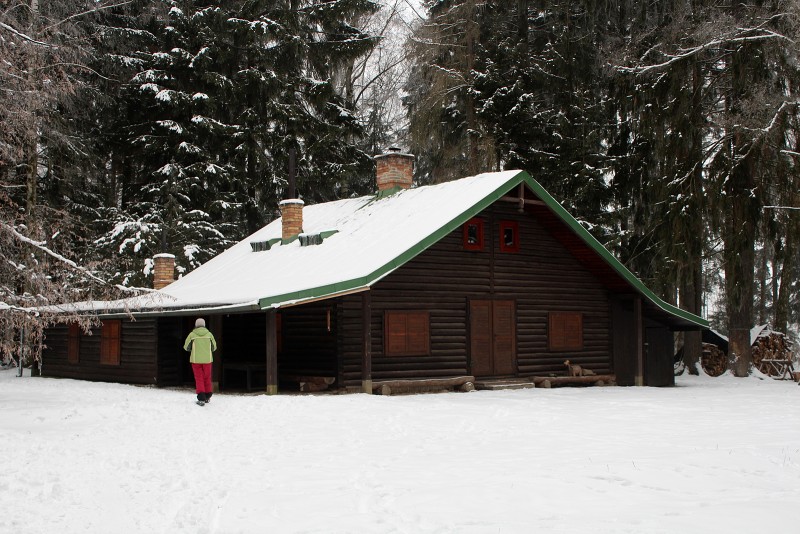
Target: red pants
point(202, 377)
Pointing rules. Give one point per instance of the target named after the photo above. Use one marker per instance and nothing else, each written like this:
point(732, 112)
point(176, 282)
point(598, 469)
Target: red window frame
point(514, 227)
point(477, 222)
point(565, 331)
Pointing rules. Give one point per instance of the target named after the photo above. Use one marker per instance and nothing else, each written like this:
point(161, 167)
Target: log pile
point(771, 346)
point(714, 360)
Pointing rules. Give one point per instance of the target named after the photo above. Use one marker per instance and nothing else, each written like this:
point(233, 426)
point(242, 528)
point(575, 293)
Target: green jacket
point(202, 343)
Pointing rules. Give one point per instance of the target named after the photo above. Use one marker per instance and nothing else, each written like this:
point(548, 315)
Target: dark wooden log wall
point(542, 277)
point(308, 344)
point(245, 338)
point(659, 355)
point(624, 340)
point(138, 362)
point(172, 359)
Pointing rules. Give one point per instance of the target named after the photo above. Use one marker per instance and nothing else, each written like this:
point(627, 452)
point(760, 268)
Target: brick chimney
point(394, 169)
point(163, 270)
point(291, 217)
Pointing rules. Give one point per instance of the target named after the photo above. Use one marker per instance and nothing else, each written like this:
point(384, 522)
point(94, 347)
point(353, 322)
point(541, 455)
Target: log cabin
point(482, 279)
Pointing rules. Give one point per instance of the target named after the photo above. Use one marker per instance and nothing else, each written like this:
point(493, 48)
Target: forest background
point(134, 127)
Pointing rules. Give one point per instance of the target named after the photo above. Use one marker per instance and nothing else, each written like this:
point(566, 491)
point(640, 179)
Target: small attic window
point(509, 236)
point(310, 239)
point(473, 234)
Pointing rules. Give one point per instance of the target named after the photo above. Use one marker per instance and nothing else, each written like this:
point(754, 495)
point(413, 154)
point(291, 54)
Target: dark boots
point(204, 397)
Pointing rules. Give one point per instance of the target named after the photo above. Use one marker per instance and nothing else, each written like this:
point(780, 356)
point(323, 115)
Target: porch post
point(272, 354)
point(215, 324)
point(637, 317)
point(366, 329)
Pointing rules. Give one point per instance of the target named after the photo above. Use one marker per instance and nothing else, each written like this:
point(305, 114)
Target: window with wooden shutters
point(74, 343)
point(407, 333)
point(110, 342)
point(566, 331)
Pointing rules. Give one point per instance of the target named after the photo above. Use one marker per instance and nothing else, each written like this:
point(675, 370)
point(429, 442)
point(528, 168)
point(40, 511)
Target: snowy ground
point(708, 456)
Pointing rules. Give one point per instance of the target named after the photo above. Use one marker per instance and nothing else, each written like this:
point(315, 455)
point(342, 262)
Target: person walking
point(201, 344)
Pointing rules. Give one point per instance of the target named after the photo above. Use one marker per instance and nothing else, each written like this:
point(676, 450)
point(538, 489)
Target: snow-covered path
point(711, 455)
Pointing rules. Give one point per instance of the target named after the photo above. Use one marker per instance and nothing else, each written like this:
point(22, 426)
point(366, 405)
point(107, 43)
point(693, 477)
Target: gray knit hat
point(200, 322)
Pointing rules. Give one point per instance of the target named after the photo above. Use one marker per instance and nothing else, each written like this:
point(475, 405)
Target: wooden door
point(492, 337)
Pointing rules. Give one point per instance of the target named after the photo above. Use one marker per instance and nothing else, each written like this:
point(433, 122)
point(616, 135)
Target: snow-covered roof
point(371, 234)
point(364, 239)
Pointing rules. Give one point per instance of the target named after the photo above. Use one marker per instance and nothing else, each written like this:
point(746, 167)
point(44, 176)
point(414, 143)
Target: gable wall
point(541, 277)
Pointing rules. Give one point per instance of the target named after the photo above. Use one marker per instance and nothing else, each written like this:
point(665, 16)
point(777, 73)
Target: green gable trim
point(457, 222)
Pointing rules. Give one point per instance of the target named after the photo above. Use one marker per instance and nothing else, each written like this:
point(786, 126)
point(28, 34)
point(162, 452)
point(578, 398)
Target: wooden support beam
point(523, 201)
point(637, 318)
point(272, 353)
point(215, 325)
point(366, 332)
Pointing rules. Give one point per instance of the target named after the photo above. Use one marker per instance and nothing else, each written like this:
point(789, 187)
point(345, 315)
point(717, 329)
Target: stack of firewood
point(771, 346)
point(714, 361)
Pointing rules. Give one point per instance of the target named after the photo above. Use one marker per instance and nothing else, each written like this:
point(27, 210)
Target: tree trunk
point(692, 279)
point(786, 276)
point(473, 162)
point(739, 258)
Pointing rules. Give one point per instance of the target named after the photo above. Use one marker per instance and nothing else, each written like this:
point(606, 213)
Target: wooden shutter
point(504, 339)
point(74, 343)
point(418, 333)
point(396, 326)
point(566, 331)
point(110, 342)
point(407, 333)
point(480, 337)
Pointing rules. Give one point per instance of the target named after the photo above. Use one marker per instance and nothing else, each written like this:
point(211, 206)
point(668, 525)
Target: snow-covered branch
point(25, 37)
point(87, 12)
point(42, 246)
point(701, 48)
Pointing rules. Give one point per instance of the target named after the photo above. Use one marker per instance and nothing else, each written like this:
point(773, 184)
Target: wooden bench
point(248, 368)
point(309, 383)
point(595, 380)
point(418, 385)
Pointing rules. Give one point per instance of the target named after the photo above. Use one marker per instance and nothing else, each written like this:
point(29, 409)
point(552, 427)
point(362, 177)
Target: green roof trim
point(521, 177)
point(327, 233)
point(383, 193)
point(291, 239)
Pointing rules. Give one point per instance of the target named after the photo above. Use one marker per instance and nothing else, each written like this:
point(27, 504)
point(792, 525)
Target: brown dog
point(577, 370)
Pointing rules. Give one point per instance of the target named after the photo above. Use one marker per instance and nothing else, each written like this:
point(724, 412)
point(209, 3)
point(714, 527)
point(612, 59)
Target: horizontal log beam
point(386, 386)
point(560, 380)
